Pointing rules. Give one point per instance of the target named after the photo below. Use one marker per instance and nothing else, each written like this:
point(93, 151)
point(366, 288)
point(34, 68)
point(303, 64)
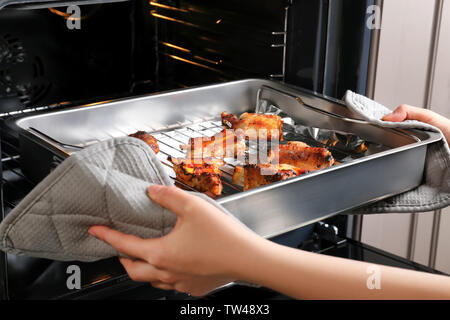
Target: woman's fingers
point(396, 116)
point(130, 245)
point(174, 199)
point(162, 285)
point(406, 112)
point(141, 271)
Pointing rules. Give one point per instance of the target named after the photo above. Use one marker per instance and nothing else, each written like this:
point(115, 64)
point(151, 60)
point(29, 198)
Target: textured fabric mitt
point(434, 193)
point(104, 184)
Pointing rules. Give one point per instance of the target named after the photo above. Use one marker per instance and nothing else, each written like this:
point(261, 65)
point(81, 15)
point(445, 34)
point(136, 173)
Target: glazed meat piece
point(238, 176)
point(254, 125)
point(148, 139)
point(254, 176)
point(301, 155)
point(203, 175)
point(225, 144)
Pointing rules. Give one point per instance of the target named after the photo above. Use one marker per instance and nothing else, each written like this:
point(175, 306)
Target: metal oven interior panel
point(289, 204)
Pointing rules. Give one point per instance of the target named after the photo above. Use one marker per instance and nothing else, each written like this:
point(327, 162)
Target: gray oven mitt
point(434, 193)
point(104, 184)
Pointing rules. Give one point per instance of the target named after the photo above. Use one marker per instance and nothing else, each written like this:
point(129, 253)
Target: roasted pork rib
point(225, 144)
point(300, 155)
point(254, 176)
point(147, 138)
point(255, 126)
point(201, 174)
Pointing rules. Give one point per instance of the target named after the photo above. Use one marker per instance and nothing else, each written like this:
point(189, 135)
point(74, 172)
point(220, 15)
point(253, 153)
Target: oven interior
point(131, 47)
point(128, 48)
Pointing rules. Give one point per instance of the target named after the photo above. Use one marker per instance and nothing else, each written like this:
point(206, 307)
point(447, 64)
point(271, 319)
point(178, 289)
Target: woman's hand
point(406, 112)
point(200, 254)
point(207, 249)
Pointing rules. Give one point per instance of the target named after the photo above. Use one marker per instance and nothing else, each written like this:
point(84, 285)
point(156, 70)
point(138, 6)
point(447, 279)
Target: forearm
point(440, 122)
point(305, 275)
point(446, 129)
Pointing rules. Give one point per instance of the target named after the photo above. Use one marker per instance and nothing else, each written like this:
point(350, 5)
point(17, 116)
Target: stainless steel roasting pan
point(47, 138)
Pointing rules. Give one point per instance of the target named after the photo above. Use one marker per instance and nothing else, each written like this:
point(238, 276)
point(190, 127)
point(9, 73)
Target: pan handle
point(300, 101)
point(324, 112)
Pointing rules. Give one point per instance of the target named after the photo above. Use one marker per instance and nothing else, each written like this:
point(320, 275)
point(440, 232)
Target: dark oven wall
point(135, 47)
point(44, 62)
point(142, 46)
point(213, 41)
point(320, 45)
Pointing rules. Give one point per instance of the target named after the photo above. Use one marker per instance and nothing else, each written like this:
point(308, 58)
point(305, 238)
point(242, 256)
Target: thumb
point(400, 114)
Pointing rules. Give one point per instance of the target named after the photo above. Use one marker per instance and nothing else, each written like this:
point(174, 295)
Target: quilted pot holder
point(104, 184)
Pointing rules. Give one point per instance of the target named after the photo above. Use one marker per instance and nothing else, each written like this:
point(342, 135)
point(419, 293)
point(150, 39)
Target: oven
point(59, 55)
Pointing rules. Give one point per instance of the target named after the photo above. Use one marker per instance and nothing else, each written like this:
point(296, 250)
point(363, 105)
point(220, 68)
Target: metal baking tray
point(48, 138)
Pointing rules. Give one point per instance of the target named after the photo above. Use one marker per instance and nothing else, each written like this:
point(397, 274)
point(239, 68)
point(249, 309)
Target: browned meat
point(255, 125)
point(300, 155)
point(148, 139)
point(225, 144)
point(254, 176)
point(203, 175)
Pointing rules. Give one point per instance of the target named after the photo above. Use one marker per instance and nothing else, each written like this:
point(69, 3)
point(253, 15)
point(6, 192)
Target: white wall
point(402, 72)
point(404, 50)
point(440, 102)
